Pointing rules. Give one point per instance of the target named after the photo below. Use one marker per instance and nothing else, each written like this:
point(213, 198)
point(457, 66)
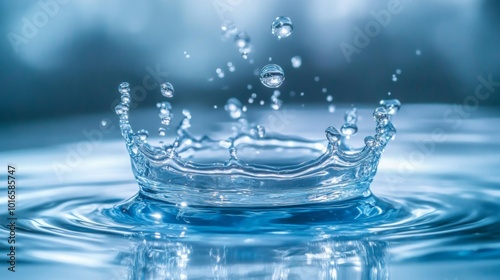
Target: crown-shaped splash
point(190, 171)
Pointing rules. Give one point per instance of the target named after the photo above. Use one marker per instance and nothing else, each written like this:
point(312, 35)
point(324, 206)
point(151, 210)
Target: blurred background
point(63, 58)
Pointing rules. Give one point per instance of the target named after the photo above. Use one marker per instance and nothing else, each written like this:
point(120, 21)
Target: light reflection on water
point(435, 218)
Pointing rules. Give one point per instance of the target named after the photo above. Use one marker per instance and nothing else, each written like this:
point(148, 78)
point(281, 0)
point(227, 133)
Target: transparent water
point(432, 214)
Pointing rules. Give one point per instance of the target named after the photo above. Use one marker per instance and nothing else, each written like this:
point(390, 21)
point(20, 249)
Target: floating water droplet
point(228, 29)
point(249, 86)
point(104, 123)
point(186, 54)
point(167, 90)
point(244, 55)
point(394, 78)
point(186, 113)
point(272, 76)
point(331, 108)
point(381, 116)
point(143, 134)
point(219, 72)
point(282, 27)
point(370, 141)
point(233, 152)
point(333, 135)
point(296, 61)
point(250, 100)
point(270, 59)
point(391, 105)
point(244, 108)
point(262, 102)
point(349, 129)
point(302, 94)
point(231, 67)
point(418, 52)
point(351, 116)
point(261, 131)
point(233, 107)
point(215, 107)
point(242, 39)
point(329, 98)
point(162, 131)
point(398, 71)
point(389, 93)
point(276, 103)
point(324, 90)
point(124, 88)
point(165, 112)
point(316, 79)
point(121, 109)
point(254, 95)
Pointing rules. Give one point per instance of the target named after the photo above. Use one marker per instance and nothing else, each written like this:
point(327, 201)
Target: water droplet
point(349, 129)
point(331, 108)
point(282, 27)
point(329, 98)
point(262, 102)
point(394, 78)
point(276, 103)
point(186, 114)
point(186, 54)
point(389, 93)
point(242, 39)
point(167, 90)
point(272, 76)
point(215, 107)
point(233, 152)
point(124, 88)
point(143, 134)
point(230, 66)
point(244, 108)
point(351, 116)
point(418, 52)
point(324, 90)
point(370, 141)
point(162, 131)
point(219, 72)
point(244, 55)
point(121, 109)
point(391, 105)
point(316, 79)
point(296, 61)
point(381, 116)
point(250, 100)
point(398, 71)
point(254, 95)
point(261, 131)
point(270, 59)
point(104, 123)
point(165, 112)
point(302, 94)
point(228, 29)
point(233, 107)
point(249, 86)
point(333, 135)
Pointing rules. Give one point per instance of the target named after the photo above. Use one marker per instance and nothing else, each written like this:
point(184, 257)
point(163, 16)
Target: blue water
point(432, 212)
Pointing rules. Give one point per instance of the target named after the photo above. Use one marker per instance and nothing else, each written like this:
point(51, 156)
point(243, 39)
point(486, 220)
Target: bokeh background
point(63, 58)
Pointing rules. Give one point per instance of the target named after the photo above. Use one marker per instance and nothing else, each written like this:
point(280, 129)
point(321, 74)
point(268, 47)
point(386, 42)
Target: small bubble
point(270, 59)
point(272, 76)
point(282, 27)
point(394, 78)
point(391, 105)
point(276, 103)
point(324, 90)
point(186, 114)
point(104, 123)
point(244, 108)
point(261, 131)
point(389, 93)
point(215, 107)
point(254, 95)
point(162, 131)
point(219, 72)
point(121, 109)
point(124, 88)
point(302, 94)
point(143, 134)
point(233, 107)
point(262, 102)
point(349, 129)
point(186, 54)
point(231, 67)
point(250, 100)
point(418, 52)
point(242, 39)
point(228, 29)
point(296, 61)
point(333, 135)
point(369, 141)
point(329, 98)
point(244, 55)
point(167, 90)
point(331, 108)
point(398, 71)
point(316, 79)
point(249, 87)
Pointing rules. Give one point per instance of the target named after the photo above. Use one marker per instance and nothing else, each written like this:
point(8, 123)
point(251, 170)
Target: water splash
point(255, 167)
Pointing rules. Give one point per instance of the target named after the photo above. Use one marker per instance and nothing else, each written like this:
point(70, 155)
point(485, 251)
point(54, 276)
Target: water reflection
point(153, 256)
